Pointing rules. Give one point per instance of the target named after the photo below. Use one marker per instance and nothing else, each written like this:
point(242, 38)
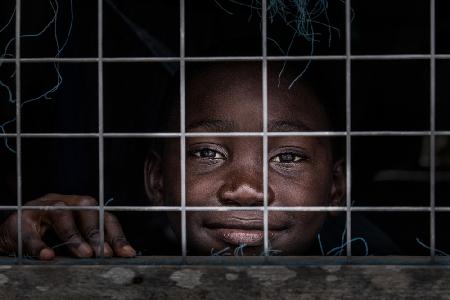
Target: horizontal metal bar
point(68, 207)
point(227, 58)
point(221, 134)
point(235, 208)
point(241, 260)
point(394, 56)
point(59, 135)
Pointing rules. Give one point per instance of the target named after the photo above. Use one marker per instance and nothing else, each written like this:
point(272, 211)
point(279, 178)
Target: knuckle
point(87, 201)
point(72, 236)
point(58, 212)
point(110, 218)
point(50, 196)
point(119, 240)
point(92, 233)
point(34, 202)
point(12, 219)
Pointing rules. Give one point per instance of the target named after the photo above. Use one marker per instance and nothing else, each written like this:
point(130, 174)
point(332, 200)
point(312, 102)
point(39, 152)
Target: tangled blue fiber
point(60, 45)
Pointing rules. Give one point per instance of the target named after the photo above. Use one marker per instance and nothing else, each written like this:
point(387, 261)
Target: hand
point(77, 230)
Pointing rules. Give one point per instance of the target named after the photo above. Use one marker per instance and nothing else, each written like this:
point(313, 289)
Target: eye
point(288, 158)
point(207, 153)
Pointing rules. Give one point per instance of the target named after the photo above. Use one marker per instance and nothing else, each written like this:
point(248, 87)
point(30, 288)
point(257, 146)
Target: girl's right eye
point(207, 153)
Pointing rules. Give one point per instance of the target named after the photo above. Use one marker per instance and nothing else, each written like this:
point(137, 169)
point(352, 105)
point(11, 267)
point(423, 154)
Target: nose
point(244, 189)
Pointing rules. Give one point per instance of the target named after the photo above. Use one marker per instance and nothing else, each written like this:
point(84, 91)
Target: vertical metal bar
point(101, 190)
point(18, 134)
point(348, 110)
point(432, 130)
point(183, 129)
point(265, 117)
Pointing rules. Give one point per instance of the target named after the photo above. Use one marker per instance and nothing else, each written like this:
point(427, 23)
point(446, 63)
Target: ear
point(338, 189)
point(153, 178)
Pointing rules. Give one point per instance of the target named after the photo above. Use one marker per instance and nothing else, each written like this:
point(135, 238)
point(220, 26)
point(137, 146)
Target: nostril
point(242, 195)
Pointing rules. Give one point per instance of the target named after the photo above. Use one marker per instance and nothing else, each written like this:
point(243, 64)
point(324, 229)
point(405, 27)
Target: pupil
point(286, 157)
point(207, 153)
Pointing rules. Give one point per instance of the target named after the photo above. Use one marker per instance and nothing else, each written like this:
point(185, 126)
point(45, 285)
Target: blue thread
point(220, 252)
point(320, 244)
point(60, 49)
point(9, 21)
point(239, 251)
point(341, 248)
point(338, 251)
point(440, 252)
point(343, 240)
point(156, 47)
point(301, 16)
point(109, 201)
point(223, 8)
point(271, 251)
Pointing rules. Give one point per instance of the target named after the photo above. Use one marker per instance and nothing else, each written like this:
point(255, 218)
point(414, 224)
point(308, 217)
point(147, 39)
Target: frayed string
point(59, 49)
point(301, 16)
point(439, 252)
point(155, 46)
point(339, 250)
point(109, 201)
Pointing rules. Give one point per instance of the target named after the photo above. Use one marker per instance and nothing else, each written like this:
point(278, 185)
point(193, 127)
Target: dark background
point(386, 95)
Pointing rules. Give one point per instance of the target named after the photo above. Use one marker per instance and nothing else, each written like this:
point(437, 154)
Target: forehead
point(229, 98)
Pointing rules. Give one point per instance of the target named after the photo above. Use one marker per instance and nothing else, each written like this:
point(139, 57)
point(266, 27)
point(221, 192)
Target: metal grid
point(182, 135)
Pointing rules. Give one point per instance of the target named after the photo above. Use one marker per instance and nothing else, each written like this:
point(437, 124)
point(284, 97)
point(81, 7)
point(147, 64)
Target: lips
point(239, 230)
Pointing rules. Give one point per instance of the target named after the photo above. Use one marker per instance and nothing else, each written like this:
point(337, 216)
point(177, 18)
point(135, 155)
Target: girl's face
point(228, 171)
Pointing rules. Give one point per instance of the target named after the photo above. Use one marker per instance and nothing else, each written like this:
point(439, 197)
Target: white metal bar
point(236, 208)
point(348, 152)
point(265, 126)
point(432, 129)
point(226, 134)
point(18, 132)
point(183, 128)
point(101, 168)
point(228, 58)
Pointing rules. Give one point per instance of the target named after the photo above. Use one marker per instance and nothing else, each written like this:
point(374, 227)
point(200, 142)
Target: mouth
point(241, 231)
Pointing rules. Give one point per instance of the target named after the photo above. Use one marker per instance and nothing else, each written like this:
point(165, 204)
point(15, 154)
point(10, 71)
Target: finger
point(35, 247)
point(116, 238)
point(32, 231)
point(63, 223)
point(89, 224)
point(8, 235)
point(89, 228)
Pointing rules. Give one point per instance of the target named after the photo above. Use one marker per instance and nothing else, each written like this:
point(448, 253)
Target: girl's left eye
point(287, 158)
point(207, 153)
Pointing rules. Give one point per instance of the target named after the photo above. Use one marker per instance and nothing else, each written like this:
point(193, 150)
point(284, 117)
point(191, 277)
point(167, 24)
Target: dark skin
point(227, 171)
point(220, 171)
point(78, 230)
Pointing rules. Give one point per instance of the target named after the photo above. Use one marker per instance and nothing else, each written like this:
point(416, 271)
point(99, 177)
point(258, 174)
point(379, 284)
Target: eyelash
point(298, 158)
point(197, 154)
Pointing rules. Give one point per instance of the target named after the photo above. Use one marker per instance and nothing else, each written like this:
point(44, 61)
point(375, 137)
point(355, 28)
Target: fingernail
point(129, 251)
point(85, 250)
point(107, 251)
point(46, 254)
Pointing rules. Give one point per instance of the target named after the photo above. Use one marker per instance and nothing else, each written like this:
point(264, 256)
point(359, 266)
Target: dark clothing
point(156, 239)
point(367, 239)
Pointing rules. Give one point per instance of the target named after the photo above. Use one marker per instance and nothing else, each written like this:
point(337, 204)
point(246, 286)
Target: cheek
point(201, 190)
point(172, 183)
point(305, 188)
point(300, 237)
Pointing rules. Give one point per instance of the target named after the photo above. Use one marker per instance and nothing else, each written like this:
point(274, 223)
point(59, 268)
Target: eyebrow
point(212, 125)
point(229, 126)
point(282, 125)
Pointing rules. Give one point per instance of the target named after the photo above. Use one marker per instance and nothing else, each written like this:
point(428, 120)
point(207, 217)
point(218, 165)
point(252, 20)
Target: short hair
point(323, 79)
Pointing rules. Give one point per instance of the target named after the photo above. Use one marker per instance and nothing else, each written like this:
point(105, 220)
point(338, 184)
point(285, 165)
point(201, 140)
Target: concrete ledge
point(224, 282)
